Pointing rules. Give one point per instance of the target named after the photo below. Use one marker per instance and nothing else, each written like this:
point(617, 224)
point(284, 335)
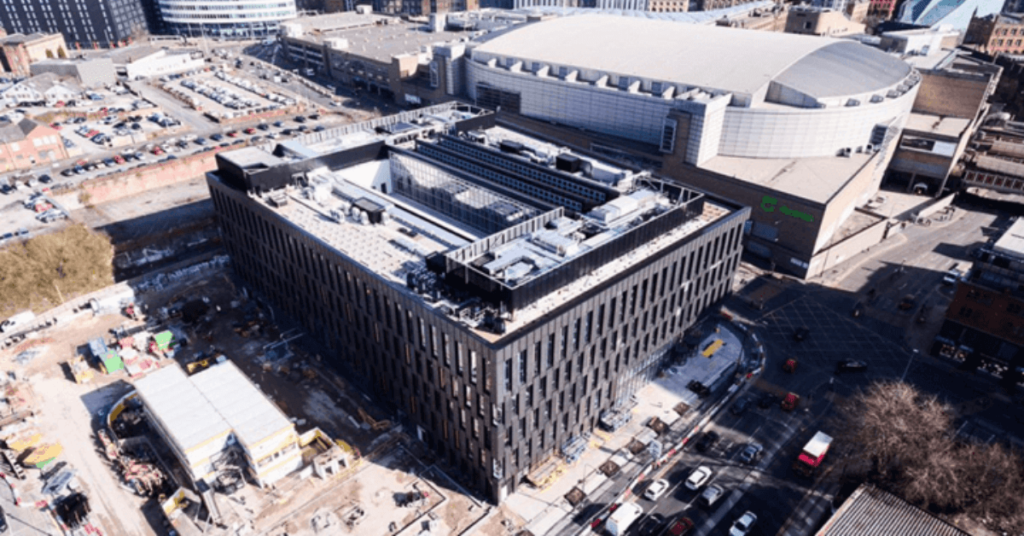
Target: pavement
point(546, 511)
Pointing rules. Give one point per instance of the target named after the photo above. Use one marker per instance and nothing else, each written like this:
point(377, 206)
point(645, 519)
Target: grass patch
point(44, 271)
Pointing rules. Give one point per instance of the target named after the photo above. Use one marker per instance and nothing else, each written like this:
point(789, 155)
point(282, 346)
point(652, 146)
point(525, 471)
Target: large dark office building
point(84, 24)
point(498, 290)
point(984, 323)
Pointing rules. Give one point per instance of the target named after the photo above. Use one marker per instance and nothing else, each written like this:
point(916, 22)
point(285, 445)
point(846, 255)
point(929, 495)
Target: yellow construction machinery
point(80, 370)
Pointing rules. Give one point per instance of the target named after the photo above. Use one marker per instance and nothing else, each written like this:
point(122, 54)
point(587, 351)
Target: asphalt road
point(881, 337)
point(747, 487)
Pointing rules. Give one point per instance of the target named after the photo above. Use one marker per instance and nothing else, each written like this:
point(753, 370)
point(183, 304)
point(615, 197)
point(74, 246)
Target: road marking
point(753, 476)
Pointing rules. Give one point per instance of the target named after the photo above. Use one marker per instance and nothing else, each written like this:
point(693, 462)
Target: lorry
point(812, 454)
point(622, 518)
point(19, 320)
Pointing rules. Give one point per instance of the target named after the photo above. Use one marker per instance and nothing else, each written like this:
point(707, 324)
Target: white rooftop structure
point(208, 404)
point(1012, 241)
point(710, 57)
point(184, 410)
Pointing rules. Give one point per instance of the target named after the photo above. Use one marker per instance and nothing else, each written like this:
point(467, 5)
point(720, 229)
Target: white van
point(622, 518)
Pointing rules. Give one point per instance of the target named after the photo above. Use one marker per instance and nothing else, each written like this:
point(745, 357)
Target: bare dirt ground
point(69, 413)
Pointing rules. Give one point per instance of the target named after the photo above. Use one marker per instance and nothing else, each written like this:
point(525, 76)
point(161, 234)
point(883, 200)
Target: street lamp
point(909, 361)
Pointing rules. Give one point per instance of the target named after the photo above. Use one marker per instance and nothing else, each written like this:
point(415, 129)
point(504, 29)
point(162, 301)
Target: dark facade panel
point(492, 409)
point(93, 23)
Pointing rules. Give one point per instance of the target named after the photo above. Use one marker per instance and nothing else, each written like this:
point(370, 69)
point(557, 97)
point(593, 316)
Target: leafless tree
point(903, 440)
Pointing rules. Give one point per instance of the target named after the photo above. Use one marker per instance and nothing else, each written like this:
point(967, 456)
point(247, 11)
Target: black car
point(766, 401)
point(314, 117)
point(850, 365)
point(68, 172)
point(278, 124)
point(262, 126)
point(801, 333)
point(3, 521)
point(652, 524)
point(45, 179)
point(740, 406)
point(707, 441)
point(216, 137)
point(300, 119)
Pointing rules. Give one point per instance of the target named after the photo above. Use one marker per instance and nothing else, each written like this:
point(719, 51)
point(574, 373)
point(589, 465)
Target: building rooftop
point(18, 38)
point(16, 131)
point(814, 179)
point(1012, 241)
point(939, 125)
point(819, 66)
point(479, 222)
point(371, 36)
point(181, 406)
point(208, 404)
point(873, 512)
point(691, 17)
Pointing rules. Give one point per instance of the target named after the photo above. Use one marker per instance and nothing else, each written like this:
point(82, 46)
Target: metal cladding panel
point(873, 512)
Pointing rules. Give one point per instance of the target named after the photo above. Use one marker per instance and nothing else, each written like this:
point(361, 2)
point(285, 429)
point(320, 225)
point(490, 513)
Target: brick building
point(26, 144)
point(883, 9)
point(18, 52)
point(1001, 33)
point(498, 290)
point(810, 20)
point(984, 323)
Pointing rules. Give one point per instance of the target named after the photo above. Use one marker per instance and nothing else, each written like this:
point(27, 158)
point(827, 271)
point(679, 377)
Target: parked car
point(118, 158)
point(742, 526)
point(250, 131)
point(233, 134)
point(216, 137)
point(278, 124)
point(263, 126)
point(850, 365)
point(711, 495)
point(750, 453)
point(767, 400)
point(707, 441)
point(656, 489)
point(699, 477)
point(45, 179)
point(300, 119)
point(319, 128)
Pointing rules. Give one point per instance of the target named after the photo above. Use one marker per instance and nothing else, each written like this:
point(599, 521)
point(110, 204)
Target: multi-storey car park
point(229, 19)
point(500, 291)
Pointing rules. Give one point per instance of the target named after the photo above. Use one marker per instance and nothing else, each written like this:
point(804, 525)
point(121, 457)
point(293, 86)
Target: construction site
point(179, 403)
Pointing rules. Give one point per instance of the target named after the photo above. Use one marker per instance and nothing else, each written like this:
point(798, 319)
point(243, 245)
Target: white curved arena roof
point(718, 58)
